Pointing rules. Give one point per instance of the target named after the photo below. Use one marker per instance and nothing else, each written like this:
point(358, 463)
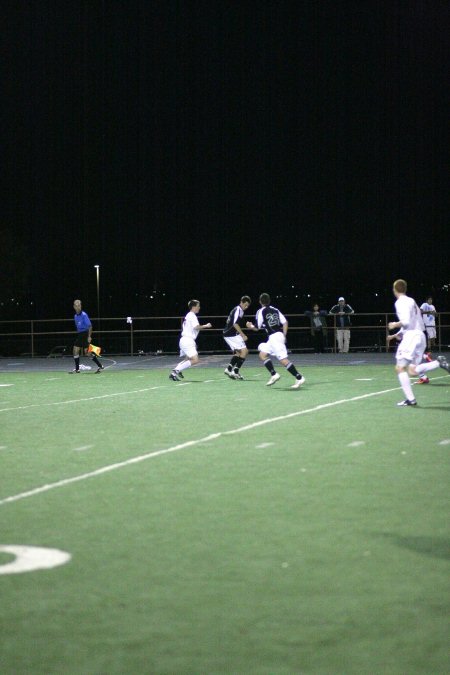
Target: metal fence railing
point(160, 334)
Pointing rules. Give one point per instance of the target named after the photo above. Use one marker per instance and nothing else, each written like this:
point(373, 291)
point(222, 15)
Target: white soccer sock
point(425, 367)
point(406, 385)
point(183, 365)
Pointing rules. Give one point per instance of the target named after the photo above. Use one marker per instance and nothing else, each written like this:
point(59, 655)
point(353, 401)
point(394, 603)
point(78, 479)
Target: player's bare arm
point(239, 330)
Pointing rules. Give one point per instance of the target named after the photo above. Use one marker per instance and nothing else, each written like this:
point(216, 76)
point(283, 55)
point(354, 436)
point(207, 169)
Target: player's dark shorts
point(81, 339)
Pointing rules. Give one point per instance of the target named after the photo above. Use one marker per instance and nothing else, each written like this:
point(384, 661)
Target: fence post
point(131, 336)
point(32, 339)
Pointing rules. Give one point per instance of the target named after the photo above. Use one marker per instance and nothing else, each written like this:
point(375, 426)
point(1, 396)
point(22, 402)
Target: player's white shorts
point(188, 347)
point(412, 347)
point(235, 342)
point(275, 346)
point(431, 332)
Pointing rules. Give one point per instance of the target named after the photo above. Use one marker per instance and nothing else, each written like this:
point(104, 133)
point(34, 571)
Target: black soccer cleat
point(99, 369)
point(443, 363)
point(174, 376)
point(407, 402)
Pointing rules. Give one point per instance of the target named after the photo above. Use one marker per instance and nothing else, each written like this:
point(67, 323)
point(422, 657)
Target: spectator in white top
point(429, 318)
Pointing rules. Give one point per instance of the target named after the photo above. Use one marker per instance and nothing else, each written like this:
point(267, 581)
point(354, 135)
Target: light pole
point(97, 269)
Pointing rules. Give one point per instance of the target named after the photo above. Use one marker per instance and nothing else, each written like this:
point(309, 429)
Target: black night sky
point(214, 148)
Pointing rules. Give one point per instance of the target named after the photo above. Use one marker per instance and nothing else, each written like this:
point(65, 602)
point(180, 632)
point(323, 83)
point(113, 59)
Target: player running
point(188, 346)
point(275, 324)
point(412, 346)
point(235, 338)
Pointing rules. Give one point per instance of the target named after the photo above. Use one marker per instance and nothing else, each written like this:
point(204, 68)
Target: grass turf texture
point(277, 549)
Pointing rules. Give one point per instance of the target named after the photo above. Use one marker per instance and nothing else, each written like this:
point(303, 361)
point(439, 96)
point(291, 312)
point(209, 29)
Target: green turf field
point(263, 530)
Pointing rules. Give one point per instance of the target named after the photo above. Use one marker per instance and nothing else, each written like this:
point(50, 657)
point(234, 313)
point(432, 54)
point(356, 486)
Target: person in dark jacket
point(342, 311)
point(318, 321)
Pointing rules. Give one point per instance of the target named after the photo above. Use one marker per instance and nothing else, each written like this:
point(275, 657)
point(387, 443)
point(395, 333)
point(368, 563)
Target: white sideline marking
point(83, 447)
point(355, 444)
point(81, 400)
point(446, 441)
point(363, 379)
point(3, 447)
point(182, 446)
point(174, 448)
point(263, 445)
point(141, 391)
point(6, 385)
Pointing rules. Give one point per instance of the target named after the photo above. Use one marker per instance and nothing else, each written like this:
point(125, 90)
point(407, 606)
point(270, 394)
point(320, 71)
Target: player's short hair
point(400, 286)
point(246, 298)
point(264, 299)
point(193, 303)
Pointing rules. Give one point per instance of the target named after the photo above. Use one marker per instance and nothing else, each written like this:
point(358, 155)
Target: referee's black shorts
point(82, 339)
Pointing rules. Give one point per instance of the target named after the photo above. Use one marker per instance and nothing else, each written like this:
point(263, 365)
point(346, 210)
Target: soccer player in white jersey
point(275, 324)
point(235, 338)
point(429, 318)
point(188, 346)
point(412, 346)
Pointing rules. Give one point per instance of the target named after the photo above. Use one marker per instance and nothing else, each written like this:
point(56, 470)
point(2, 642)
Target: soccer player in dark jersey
point(271, 320)
point(83, 339)
point(235, 338)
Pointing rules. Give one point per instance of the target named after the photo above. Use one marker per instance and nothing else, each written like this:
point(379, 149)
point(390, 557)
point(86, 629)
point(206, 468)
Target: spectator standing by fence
point(342, 311)
point(318, 321)
point(429, 318)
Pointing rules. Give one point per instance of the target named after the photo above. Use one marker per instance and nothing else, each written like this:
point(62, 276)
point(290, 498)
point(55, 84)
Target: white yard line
point(183, 446)
point(80, 400)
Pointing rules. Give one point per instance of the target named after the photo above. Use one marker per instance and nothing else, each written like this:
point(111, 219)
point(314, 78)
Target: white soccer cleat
point(298, 383)
point(273, 379)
